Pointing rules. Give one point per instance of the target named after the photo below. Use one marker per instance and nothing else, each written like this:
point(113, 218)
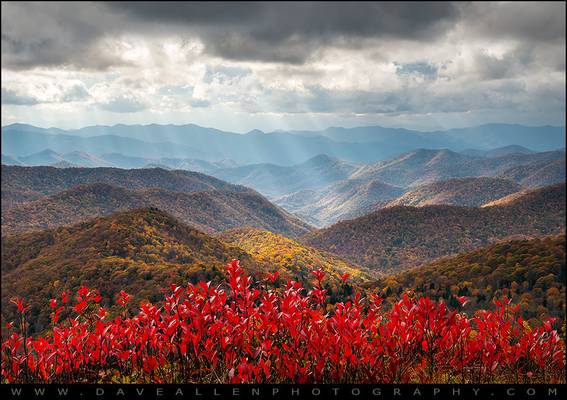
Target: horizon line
point(280, 130)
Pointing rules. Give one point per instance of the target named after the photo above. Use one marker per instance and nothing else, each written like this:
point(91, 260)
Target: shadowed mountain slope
point(400, 237)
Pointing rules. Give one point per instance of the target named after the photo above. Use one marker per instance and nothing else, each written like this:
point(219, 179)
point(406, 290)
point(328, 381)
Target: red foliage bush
point(250, 333)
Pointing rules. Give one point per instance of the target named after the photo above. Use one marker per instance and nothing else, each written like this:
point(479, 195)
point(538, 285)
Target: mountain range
point(416, 178)
point(462, 212)
point(209, 211)
point(324, 190)
point(400, 237)
point(139, 251)
point(358, 145)
point(142, 251)
point(51, 158)
point(34, 182)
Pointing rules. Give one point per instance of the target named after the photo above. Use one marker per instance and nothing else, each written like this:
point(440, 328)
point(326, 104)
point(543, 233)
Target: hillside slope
point(275, 180)
point(18, 180)
point(138, 251)
point(293, 258)
point(426, 166)
point(343, 200)
point(537, 174)
point(400, 237)
point(210, 211)
point(469, 192)
point(530, 272)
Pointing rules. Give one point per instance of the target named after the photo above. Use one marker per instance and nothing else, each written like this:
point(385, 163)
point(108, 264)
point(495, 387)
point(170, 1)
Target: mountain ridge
point(398, 237)
point(209, 211)
point(280, 147)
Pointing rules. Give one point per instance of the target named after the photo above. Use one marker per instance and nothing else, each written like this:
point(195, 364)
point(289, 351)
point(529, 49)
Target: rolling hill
point(75, 158)
point(400, 237)
point(370, 187)
point(537, 174)
point(425, 166)
point(209, 211)
point(293, 258)
point(484, 137)
point(343, 200)
point(530, 272)
point(139, 251)
point(498, 152)
point(50, 180)
point(469, 192)
point(274, 180)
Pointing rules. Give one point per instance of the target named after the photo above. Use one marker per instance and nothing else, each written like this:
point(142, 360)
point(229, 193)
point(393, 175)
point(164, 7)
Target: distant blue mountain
point(484, 137)
point(359, 145)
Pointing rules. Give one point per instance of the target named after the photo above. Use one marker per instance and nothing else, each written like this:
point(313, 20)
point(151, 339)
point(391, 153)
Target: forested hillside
point(530, 272)
point(210, 211)
point(400, 237)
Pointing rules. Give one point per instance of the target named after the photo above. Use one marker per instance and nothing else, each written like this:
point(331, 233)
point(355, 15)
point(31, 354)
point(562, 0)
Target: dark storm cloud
point(55, 34)
point(291, 32)
point(527, 21)
point(278, 21)
point(59, 33)
point(44, 34)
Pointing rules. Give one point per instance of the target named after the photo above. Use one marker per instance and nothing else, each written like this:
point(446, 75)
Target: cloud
point(535, 21)
point(311, 61)
point(123, 104)
point(292, 32)
point(420, 69)
point(224, 74)
point(74, 34)
point(9, 96)
point(56, 34)
point(200, 103)
point(76, 92)
point(40, 90)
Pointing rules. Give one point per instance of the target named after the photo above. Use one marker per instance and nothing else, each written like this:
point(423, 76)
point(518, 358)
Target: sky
point(243, 66)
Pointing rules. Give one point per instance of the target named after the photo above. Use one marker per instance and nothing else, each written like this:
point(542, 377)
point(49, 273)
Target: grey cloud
point(123, 104)
point(461, 97)
point(278, 21)
point(10, 97)
point(176, 90)
point(75, 93)
point(509, 65)
point(198, 103)
point(73, 33)
point(51, 34)
point(56, 34)
point(526, 21)
point(292, 32)
point(224, 73)
point(424, 69)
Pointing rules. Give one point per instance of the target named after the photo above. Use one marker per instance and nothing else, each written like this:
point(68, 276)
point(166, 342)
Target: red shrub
point(207, 334)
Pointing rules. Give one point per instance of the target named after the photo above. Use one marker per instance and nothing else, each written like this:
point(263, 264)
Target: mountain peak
point(320, 159)
point(255, 132)
point(46, 152)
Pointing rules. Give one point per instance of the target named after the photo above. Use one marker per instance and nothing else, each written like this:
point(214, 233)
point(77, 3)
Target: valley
point(430, 223)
